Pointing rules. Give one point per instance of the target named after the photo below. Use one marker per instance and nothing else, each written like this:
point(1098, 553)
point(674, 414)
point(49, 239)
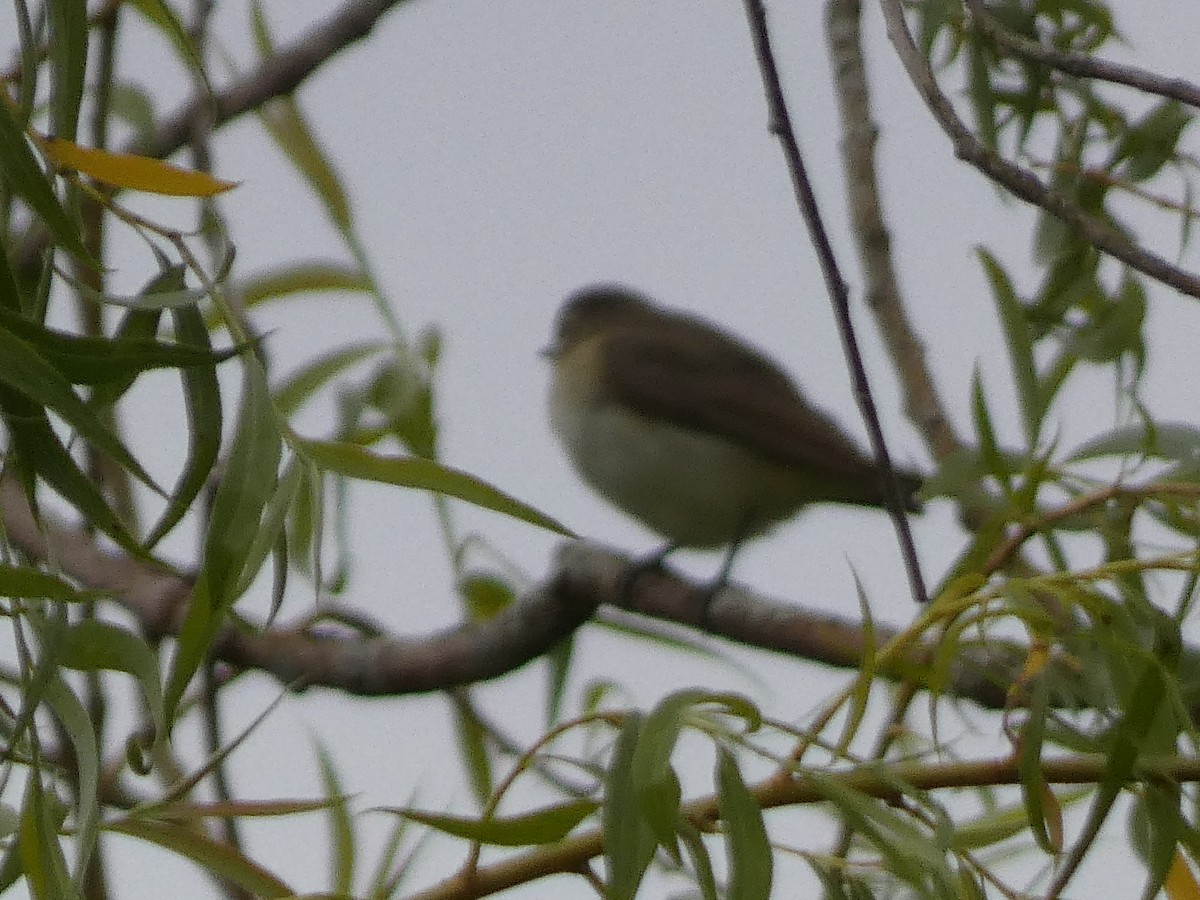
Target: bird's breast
point(693, 488)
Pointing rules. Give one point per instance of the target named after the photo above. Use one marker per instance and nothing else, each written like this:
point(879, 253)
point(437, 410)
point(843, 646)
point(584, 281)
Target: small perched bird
point(692, 432)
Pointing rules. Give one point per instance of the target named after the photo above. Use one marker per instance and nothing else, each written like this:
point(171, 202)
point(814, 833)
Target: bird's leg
point(652, 563)
point(717, 584)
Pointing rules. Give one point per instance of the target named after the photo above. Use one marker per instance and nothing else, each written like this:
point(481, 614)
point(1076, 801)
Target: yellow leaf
point(1181, 883)
point(139, 173)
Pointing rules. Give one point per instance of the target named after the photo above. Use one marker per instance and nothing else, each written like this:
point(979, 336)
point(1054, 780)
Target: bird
point(691, 431)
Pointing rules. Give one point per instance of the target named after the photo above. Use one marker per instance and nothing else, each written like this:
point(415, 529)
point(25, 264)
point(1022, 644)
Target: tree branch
point(570, 855)
point(781, 126)
point(1018, 181)
point(1082, 65)
point(883, 295)
point(584, 577)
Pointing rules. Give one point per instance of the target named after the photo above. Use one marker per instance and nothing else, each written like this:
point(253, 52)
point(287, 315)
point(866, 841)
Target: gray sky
point(500, 155)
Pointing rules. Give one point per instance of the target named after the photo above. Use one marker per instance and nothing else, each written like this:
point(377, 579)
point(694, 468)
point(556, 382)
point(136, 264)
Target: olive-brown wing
point(704, 381)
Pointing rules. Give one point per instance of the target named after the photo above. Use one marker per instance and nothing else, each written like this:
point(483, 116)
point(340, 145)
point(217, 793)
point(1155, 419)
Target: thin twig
point(1005, 550)
point(571, 854)
point(781, 127)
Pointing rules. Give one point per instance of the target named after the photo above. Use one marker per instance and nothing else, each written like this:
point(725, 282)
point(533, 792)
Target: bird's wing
point(752, 404)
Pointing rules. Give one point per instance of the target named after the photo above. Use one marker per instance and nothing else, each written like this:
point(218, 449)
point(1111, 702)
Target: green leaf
point(10, 293)
point(995, 462)
point(132, 105)
point(100, 360)
point(1140, 709)
point(165, 299)
point(1020, 345)
point(748, 848)
point(341, 827)
point(303, 278)
point(543, 826)
point(195, 635)
point(661, 809)
point(486, 596)
point(908, 853)
point(19, 167)
point(558, 672)
point(217, 857)
point(25, 581)
point(317, 373)
point(701, 861)
point(861, 694)
point(286, 125)
point(246, 487)
point(304, 524)
point(472, 744)
point(1151, 142)
point(1157, 827)
point(628, 841)
point(40, 454)
point(354, 461)
point(42, 860)
point(1113, 328)
point(981, 92)
point(1035, 792)
point(92, 645)
point(660, 731)
point(163, 17)
point(77, 725)
point(24, 370)
point(136, 323)
point(202, 403)
point(271, 529)
point(68, 57)
point(1173, 441)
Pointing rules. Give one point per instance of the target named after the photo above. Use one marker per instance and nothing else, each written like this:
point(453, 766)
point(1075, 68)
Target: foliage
point(1104, 696)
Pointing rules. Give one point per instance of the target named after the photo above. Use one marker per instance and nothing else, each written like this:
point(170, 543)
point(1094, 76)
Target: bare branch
point(859, 136)
point(274, 77)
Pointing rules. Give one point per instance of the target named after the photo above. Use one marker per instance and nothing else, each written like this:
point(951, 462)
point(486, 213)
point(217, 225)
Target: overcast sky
point(498, 156)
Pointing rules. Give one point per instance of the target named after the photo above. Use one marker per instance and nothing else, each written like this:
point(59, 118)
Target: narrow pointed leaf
point(25, 581)
point(341, 827)
point(246, 486)
point(92, 645)
point(99, 360)
point(77, 725)
point(628, 842)
point(542, 826)
point(202, 403)
point(210, 855)
point(138, 173)
point(749, 850)
point(20, 169)
point(42, 455)
point(1020, 345)
point(354, 461)
point(28, 373)
point(68, 57)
